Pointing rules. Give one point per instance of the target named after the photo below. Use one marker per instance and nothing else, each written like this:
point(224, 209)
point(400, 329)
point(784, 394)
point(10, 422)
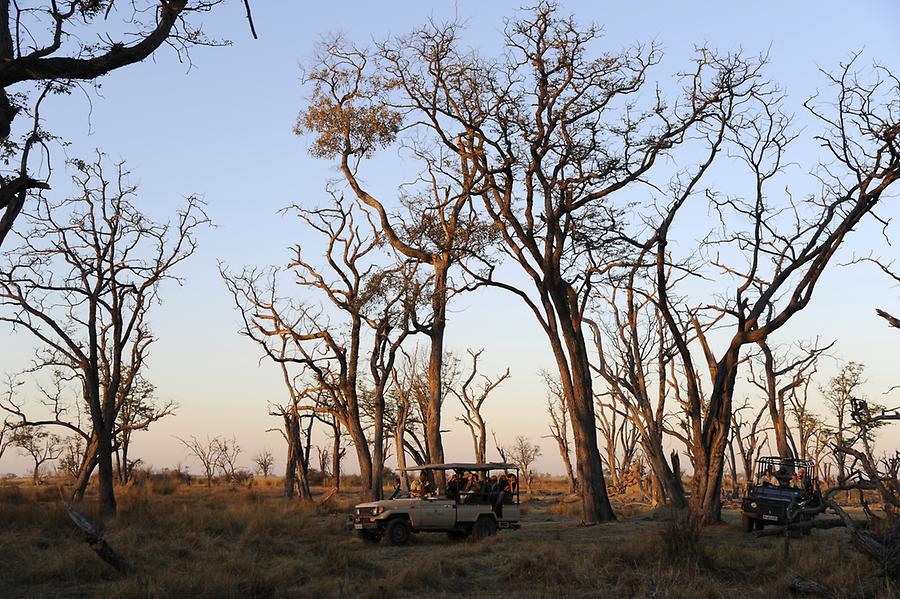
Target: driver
point(420, 487)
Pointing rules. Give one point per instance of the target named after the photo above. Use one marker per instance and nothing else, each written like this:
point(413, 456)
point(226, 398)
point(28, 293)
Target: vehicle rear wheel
point(748, 523)
point(369, 536)
point(484, 527)
point(398, 532)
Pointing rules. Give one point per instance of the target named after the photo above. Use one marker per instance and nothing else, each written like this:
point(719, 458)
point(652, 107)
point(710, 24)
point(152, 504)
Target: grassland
point(191, 541)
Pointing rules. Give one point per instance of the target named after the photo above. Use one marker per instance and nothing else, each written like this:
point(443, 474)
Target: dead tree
point(780, 258)
point(350, 281)
point(749, 436)
point(264, 461)
point(206, 452)
point(523, 454)
point(472, 400)
point(559, 426)
point(38, 444)
point(440, 229)
point(633, 365)
point(779, 378)
point(48, 49)
point(227, 452)
point(139, 410)
point(839, 394)
point(82, 283)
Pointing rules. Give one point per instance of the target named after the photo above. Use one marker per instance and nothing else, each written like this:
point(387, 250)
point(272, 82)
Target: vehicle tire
point(369, 536)
point(484, 527)
point(398, 532)
point(748, 523)
point(759, 524)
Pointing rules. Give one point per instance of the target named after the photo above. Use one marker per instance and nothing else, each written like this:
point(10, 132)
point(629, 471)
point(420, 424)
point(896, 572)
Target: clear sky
point(223, 129)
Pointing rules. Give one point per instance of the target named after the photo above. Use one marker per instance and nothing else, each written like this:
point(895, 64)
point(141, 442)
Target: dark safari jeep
point(780, 483)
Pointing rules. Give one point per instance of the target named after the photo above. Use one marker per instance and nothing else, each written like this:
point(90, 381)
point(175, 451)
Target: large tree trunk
point(666, 479)
point(401, 460)
point(88, 463)
point(336, 457)
point(378, 449)
point(577, 385)
point(364, 457)
point(106, 475)
point(567, 462)
point(435, 373)
point(709, 450)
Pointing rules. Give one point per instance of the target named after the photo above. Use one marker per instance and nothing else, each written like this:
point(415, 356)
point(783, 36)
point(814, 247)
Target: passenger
point(420, 487)
point(453, 486)
point(795, 482)
point(471, 482)
point(512, 484)
point(802, 479)
point(769, 478)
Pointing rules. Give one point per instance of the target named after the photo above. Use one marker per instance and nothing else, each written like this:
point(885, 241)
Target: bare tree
point(302, 335)
point(138, 411)
point(47, 49)
point(226, 452)
point(6, 436)
point(206, 453)
point(440, 228)
point(839, 394)
point(749, 436)
point(781, 376)
point(264, 461)
point(559, 426)
point(472, 400)
point(523, 454)
point(82, 283)
point(38, 444)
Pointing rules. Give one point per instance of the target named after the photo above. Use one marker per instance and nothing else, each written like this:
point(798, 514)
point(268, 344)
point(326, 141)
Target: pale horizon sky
point(223, 129)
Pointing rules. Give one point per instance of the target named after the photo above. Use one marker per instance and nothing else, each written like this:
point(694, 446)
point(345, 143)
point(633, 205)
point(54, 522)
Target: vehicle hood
point(390, 503)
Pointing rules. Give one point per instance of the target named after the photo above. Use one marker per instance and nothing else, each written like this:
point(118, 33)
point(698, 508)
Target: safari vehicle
point(780, 483)
point(475, 505)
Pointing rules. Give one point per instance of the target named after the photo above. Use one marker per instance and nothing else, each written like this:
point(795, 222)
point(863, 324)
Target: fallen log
point(805, 586)
point(95, 539)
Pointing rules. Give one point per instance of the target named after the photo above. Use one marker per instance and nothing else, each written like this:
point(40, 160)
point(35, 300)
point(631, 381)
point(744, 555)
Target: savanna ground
point(194, 541)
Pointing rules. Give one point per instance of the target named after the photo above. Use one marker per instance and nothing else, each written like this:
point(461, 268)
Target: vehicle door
point(437, 512)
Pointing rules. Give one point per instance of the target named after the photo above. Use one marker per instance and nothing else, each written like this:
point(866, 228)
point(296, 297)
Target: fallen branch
point(95, 539)
point(805, 586)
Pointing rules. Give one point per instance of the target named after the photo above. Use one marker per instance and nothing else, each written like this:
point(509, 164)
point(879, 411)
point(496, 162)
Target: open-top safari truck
point(475, 503)
point(782, 487)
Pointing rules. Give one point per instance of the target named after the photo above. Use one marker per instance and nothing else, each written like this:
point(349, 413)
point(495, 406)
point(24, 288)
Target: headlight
point(753, 504)
point(378, 510)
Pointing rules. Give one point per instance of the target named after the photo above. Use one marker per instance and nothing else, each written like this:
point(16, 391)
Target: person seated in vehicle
point(512, 484)
point(453, 486)
point(468, 486)
point(802, 479)
point(769, 478)
point(420, 487)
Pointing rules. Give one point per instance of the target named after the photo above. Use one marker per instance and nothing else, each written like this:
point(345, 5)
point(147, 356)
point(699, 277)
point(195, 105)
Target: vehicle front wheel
point(748, 523)
point(369, 536)
point(398, 532)
point(484, 528)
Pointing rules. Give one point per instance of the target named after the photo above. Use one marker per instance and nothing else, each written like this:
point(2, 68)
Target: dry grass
point(248, 542)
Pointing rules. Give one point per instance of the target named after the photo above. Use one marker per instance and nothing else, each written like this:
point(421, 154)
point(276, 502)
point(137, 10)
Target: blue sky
point(223, 129)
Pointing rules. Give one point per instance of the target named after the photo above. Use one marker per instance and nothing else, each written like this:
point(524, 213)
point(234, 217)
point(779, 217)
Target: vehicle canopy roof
point(788, 464)
point(462, 466)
